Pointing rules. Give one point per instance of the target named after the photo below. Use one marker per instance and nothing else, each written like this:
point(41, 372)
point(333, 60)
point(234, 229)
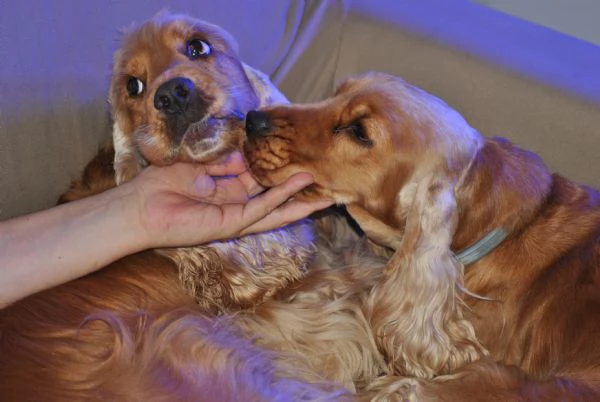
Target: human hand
point(187, 204)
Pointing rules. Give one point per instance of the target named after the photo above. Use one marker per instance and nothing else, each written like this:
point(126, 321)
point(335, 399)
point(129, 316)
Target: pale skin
point(173, 206)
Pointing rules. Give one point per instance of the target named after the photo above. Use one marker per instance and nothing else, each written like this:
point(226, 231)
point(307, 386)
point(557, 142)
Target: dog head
point(176, 84)
point(369, 145)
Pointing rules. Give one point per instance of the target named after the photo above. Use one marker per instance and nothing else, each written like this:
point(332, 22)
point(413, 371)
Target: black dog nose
point(173, 96)
point(257, 123)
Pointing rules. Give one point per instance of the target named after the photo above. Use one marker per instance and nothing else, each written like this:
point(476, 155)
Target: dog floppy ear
point(416, 309)
point(267, 92)
point(128, 163)
point(377, 231)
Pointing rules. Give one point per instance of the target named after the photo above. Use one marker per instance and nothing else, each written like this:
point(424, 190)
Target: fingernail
point(305, 177)
point(204, 185)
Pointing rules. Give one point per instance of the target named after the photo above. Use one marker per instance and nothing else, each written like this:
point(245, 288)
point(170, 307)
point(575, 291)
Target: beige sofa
point(508, 77)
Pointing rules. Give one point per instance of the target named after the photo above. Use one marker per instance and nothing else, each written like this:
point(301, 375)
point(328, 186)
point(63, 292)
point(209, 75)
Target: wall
point(578, 18)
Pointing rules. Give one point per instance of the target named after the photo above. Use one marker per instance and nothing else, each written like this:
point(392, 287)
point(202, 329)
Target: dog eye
point(358, 132)
point(197, 48)
point(135, 86)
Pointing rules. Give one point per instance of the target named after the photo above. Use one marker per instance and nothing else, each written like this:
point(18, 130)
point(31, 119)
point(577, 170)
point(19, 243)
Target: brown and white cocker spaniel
point(493, 291)
point(259, 318)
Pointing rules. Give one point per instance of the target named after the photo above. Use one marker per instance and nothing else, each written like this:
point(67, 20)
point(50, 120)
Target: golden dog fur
point(522, 322)
point(259, 318)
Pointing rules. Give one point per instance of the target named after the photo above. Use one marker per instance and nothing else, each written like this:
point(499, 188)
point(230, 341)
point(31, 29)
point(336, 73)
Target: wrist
point(125, 209)
point(59, 244)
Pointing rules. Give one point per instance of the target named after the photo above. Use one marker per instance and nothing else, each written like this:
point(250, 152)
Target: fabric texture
point(56, 61)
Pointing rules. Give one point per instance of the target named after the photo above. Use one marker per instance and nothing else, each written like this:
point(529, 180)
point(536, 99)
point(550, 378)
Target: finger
point(185, 178)
point(243, 182)
point(250, 184)
point(229, 191)
point(258, 207)
point(285, 214)
point(231, 164)
point(192, 180)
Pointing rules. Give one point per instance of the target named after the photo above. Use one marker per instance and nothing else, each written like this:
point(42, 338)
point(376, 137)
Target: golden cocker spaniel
point(493, 290)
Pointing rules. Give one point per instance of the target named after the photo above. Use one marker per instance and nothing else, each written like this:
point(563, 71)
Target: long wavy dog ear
point(267, 92)
point(128, 162)
point(416, 309)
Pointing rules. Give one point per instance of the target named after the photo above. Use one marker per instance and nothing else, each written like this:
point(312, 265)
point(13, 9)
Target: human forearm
point(45, 249)
point(172, 206)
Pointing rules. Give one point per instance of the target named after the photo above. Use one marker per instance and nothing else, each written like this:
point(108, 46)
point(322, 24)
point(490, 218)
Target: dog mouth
point(212, 137)
point(210, 125)
point(202, 141)
point(271, 160)
point(262, 161)
point(267, 148)
point(211, 130)
point(269, 174)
